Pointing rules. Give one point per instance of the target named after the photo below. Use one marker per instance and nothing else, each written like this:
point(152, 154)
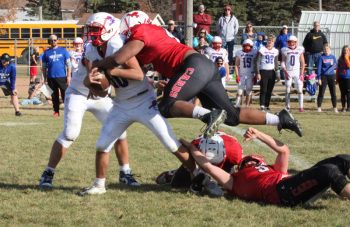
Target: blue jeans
point(312, 59)
point(229, 46)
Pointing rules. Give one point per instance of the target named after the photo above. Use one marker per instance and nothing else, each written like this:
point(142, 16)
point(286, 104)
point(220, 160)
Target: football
point(101, 89)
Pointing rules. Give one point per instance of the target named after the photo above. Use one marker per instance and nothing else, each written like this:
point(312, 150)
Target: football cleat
point(46, 180)
point(166, 177)
point(202, 183)
point(287, 122)
point(213, 120)
point(93, 190)
point(197, 184)
point(128, 179)
point(18, 114)
point(212, 188)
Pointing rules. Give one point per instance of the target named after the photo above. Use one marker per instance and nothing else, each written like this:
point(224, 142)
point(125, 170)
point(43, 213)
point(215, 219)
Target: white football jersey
point(124, 89)
point(246, 64)
point(213, 54)
point(268, 58)
point(292, 57)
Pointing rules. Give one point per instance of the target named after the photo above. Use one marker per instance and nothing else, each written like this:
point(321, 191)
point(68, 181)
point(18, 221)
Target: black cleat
point(287, 121)
point(213, 120)
point(197, 184)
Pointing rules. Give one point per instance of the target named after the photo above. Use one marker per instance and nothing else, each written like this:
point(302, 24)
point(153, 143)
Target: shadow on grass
point(148, 188)
point(24, 187)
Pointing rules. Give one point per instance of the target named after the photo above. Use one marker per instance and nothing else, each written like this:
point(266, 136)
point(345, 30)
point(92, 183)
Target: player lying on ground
point(190, 74)
point(257, 181)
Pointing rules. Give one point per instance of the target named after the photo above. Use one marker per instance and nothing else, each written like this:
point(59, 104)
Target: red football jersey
point(257, 183)
point(160, 48)
point(234, 151)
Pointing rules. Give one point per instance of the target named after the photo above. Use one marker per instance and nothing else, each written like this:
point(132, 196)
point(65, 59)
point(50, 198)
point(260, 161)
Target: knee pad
point(165, 105)
point(63, 141)
point(240, 92)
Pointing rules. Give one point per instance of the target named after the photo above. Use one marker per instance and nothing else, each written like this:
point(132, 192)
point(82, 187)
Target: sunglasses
point(219, 63)
point(171, 24)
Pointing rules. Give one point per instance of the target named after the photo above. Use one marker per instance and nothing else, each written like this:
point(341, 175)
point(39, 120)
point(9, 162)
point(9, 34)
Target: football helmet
point(133, 18)
point(292, 42)
point(216, 42)
point(247, 45)
point(213, 148)
point(101, 27)
point(251, 160)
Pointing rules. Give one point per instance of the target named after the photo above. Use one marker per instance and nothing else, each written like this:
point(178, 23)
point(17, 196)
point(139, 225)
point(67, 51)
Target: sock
point(50, 169)
point(100, 182)
point(272, 119)
point(125, 168)
point(199, 112)
point(301, 100)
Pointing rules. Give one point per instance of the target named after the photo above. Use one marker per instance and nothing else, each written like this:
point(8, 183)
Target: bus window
point(25, 33)
point(14, 33)
point(4, 33)
point(68, 33)
point(57, 32)
point(35, 32)
point(46, 32)
point(80, 32)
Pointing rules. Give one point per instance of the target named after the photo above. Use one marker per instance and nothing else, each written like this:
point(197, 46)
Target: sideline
point(299, 162)
point(11, 124)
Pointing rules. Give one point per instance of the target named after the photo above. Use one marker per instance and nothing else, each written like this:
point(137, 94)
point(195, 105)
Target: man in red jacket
point(202, 20)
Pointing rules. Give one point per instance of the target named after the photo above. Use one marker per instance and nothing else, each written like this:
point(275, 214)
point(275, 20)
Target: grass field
point(25, 147)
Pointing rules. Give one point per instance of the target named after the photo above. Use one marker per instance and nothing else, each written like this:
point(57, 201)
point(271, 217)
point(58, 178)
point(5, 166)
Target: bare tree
point(11, 7)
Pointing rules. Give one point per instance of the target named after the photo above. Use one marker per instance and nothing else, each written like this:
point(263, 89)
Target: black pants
point(330, 81)
point(57, 85)
point(308, 185)
point(267, 83)
point(344, 86)
point(198, 76)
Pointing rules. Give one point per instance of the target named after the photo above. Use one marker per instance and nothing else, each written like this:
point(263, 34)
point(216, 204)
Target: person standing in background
point(175, 31)
point(227, 27)
point(202, 20)
point(56, 68)
point(313, 44)
point(281, 42)
point(343, 78)
point(249, 33)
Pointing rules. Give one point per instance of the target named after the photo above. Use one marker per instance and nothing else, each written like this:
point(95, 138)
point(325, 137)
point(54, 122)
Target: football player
point(293, 65)
point(244, 69)
point(255, 180)
point(76, 104)
point(190, 74)
point(217, 51)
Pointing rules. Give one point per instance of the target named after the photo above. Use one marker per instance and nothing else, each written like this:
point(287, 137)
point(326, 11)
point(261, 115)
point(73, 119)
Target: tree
point(11, 6)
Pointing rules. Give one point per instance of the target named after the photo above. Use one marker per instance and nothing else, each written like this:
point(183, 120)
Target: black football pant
point(309, 184)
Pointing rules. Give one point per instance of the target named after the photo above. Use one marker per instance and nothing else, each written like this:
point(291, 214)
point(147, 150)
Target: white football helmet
point(133, 18)
point(101, 27)
point(213, 148)
point(292, 42)
point(216, 42)
point(247, 45)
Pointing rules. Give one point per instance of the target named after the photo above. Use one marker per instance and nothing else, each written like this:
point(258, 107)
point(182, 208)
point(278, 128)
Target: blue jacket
point(281, 40)
point(343, 70)
point(326, 65)
point(8, 75)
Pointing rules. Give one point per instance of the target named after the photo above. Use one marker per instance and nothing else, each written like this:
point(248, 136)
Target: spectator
point(202, 45)
point(8, 81)
point(313, 44)
point(216, 51)
point(33, 72)
point(281, 42)
point(219, 61)
point(260, 41)
point(343, 78)
point(255, 180)
point(56, 69)
point(175, 31)
point(266, 68)
point(202, 20)
point(326, 67)
point(227, 27)
point(249, 33)
point(202, 34)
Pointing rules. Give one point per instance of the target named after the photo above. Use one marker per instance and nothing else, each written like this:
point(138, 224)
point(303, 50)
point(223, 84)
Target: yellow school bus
point(17, 37)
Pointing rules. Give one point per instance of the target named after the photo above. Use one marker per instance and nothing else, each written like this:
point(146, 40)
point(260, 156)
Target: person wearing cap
point(175, 31)
point(201, 19)
point(313, 44)
point(76, 54)
point(8, 81)
point(227, 28)
point(56, 68)
point(281, 41)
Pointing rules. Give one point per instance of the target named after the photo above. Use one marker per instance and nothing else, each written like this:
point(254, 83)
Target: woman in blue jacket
point(343, 78)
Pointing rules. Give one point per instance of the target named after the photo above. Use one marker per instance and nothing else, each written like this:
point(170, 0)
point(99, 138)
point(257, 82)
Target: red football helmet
point(100, 27)
point(251, 160)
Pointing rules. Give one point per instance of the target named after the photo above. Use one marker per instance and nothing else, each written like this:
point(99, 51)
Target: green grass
point(25, 150)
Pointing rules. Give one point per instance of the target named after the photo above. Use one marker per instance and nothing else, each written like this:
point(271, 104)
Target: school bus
point(17, 37)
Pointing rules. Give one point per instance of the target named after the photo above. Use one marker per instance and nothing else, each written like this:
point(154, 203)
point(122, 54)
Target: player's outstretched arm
point(282, 150)
point(222, 177)
point(131, 70)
